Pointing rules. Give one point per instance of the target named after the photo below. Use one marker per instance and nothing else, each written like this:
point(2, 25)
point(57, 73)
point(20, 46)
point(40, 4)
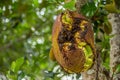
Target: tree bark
point(114, 18)
point(115, 46)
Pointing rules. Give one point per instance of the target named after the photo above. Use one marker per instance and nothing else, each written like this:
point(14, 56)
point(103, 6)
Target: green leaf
point(15, 66)
point(106, 62)
point(52, 1)
point(107, 27)
point(117, 69)
point(106, 65)
point(89, 9)
point(1, 11)
point(70, 5)
point(36, 4)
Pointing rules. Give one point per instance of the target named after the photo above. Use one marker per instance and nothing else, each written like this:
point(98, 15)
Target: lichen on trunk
point(114, 18)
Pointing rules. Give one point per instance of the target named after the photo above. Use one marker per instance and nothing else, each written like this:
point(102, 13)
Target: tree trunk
point(115, 46)
point(114, 18)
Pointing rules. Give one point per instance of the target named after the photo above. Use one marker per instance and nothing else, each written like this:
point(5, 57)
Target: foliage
point(89, 9)
point(26, 32)
point(25, 37)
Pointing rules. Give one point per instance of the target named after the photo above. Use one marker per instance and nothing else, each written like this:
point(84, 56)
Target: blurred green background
point(25, 38)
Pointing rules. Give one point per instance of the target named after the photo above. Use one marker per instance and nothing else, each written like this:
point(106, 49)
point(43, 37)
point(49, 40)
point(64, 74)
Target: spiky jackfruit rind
point(74, 58)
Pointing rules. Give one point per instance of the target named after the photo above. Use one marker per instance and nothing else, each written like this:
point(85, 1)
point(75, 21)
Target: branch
point(79, 4)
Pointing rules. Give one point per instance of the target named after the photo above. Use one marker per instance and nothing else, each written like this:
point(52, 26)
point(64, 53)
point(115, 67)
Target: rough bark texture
point(115, 46)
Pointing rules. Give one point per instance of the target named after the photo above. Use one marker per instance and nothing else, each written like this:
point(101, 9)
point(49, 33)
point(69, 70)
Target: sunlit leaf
point(36, 4)
point(1, 11)
point(70, 5)
point(89, 9)
point(117, 69)
point(15, 66)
